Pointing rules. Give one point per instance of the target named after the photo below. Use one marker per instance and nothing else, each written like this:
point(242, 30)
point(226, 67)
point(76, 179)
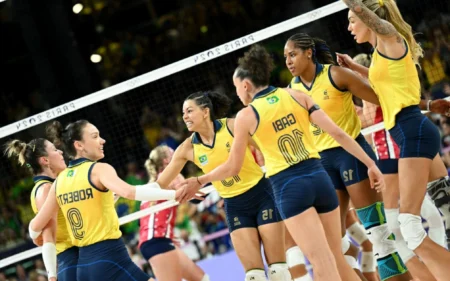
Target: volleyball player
point(388, 153)
point(393, 76)
point(331, 87)
point(295, 259)
point(439, 183)
point(45, 162)
point(278, 120)
point(83, 192)
point(156, 230)
point(251, 214)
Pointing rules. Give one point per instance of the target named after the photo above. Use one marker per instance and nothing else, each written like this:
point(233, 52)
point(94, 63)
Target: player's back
point(283, 132)
point(89, 211)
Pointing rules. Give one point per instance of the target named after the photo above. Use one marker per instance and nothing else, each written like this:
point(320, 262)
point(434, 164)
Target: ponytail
point(388, 10)
point(320, 51)
point(27, 154)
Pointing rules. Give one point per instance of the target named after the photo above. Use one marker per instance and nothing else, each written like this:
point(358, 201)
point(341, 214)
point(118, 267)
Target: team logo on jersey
point(325, 95)
point(203, 160)
point(70, 173)
point(228, 146)
point(272, 99)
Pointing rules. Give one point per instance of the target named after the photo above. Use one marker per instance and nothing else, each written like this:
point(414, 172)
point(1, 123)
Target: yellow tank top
point(89, 211)
point(63, 241)
point(283, 130)
point(337, 104)
point(207, 158)
point(396, 83)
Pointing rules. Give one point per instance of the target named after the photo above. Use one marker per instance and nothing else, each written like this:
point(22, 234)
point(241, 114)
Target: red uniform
point(385, 146)
point(159, 224)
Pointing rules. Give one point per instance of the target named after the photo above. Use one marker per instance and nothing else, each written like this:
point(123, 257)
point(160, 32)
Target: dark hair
point(64, 139)
point(155, 161)
point(256, 65)
point(321, 51)
point(218, 103)
point(27, 154)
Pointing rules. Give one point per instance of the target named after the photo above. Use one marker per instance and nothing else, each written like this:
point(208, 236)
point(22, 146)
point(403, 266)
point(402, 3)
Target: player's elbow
point(234, 171)
point(337, 134)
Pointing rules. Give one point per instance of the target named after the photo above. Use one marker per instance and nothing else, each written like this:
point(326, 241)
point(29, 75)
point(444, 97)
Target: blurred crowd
point(186, 31)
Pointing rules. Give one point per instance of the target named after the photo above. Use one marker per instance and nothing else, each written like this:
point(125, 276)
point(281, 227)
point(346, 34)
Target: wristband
point(428, 105)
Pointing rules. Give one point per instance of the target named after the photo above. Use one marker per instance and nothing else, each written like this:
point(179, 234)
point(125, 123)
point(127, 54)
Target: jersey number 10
point(292, 147)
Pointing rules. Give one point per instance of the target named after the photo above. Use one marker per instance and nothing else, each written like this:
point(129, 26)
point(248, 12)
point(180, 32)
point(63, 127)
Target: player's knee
point(279, 272)
point(294, 257)
point(412, 230)
point(255, 275)
point(382, 240)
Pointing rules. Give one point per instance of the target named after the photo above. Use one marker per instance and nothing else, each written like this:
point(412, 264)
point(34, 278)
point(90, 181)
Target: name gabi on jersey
point(284, 122)
point(75, 196)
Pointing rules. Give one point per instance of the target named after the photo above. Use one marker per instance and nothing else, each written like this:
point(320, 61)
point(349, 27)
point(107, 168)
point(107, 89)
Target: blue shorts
point(67, 264)
point(415, 134)
point(303, 186)
point(343, 168)
point(108, 260)
point(156, 246)
point(253, 208)
point(388, 166)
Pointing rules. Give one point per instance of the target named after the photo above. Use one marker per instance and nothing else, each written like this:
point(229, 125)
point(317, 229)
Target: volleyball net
point(136, 115)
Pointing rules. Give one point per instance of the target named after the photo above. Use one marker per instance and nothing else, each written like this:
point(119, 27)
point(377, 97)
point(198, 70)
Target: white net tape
point(158, 74)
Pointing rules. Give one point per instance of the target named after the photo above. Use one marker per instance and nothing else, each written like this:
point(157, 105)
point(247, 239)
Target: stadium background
point(47, 59)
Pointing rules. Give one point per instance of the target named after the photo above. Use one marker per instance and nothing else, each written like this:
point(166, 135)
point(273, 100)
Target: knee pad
point(373, 220)
point(392, 221)
point(279, 272)
point(439, 191)
point(431, 214)
point(357, 233)
point(412, 230)
point(368, 262)
point(382, 240)
point(294, 257)
point(205, 278)
point(255, 275)
point(345, 244)
point(372, 215)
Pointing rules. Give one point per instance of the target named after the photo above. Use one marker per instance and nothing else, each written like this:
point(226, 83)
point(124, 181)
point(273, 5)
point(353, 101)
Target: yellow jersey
point(283, 132)
point(63, 241)
point(396, 83)
point(89, 211)
point(207, 158)
point(336, 103)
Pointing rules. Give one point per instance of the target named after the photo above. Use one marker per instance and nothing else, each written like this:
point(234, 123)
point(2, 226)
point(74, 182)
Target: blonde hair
point(155, 161)
point(390, 12)
point(27, 154)
point(362, 59)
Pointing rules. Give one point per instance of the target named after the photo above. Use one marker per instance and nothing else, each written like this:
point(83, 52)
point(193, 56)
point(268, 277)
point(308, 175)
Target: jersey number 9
point(76, 223)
